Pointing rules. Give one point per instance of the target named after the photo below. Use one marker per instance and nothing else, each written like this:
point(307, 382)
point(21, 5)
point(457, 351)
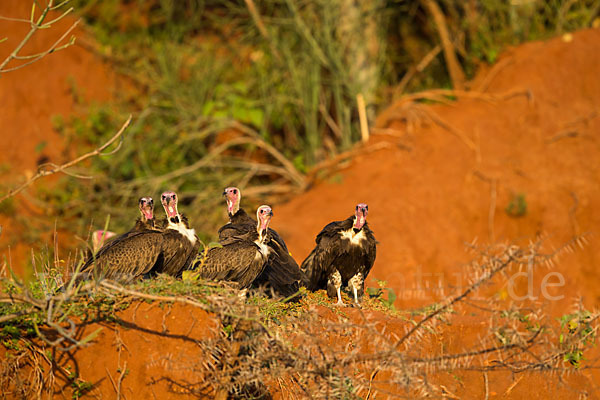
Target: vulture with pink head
point(343, 256)
point(241, 257)
point(281, 273)
point(147, 249)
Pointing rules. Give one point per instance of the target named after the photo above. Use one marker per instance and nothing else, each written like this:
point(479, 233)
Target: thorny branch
point(53, 168)
point(491, 267)
point(509, 258)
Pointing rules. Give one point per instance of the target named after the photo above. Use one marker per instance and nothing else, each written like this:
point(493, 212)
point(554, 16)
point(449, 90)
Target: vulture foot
point(340, 303)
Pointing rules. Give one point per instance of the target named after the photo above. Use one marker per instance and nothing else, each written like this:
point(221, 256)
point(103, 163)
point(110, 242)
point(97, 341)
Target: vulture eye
point(234, 191)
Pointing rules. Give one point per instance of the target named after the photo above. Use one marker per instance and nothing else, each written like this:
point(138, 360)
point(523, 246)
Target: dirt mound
point(145, 344)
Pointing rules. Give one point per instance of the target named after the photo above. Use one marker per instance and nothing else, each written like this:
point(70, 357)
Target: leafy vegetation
point(377, 294)
point(577, 332)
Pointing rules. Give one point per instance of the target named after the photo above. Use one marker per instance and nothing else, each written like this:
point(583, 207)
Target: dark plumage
point(127, 259)
point(180, 243)
point(144, 222)
point(281, 272)
point(242, 256)
point(344, 255)
point(145, 250)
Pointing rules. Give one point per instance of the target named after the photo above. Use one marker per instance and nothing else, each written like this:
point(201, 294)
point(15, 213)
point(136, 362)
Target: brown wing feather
point(239, 261)
point(281, 272)
point(317, 264)
point(128, 258)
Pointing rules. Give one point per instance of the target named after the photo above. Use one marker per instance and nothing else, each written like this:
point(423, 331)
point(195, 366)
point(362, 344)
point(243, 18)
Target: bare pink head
point(263, 215)
point(169, 202)
point(360, 215)
point(99, 237)
point(232, 197)
point(147, 208)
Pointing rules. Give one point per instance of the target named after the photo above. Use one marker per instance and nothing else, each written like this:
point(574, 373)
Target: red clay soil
point(445, 178)
point(30, 97)
point(148, 348)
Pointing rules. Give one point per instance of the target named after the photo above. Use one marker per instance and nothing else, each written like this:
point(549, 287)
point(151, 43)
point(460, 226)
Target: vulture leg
point(334, 286)
point(356, 282)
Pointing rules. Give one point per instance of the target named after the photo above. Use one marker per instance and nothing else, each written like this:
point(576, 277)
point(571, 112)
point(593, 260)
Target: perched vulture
point(144, 222)
point(146, 250)
point(343, 256)
point(126, 259)
point(180, 243)
point(242, 257)
point(281, 273)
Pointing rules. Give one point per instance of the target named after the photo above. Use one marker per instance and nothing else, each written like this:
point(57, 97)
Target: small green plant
point(577, 333)
point(517, 206)
point(349, 390)
point(79, 386)
point(228, 330)
point(377, 293)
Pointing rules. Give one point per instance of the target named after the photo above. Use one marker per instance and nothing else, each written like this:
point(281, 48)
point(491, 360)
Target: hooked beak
point(170, 208)
point(148, 214)
point(360, 218)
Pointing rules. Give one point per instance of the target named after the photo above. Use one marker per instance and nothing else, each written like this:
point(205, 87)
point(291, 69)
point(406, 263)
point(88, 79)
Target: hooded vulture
point(242, 257)
point(146, 249)
point(343, 256)
point(282, 274)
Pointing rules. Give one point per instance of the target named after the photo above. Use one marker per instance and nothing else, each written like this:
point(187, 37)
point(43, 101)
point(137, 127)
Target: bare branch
point(35, 26)
point(14, 19)
point(251, 137)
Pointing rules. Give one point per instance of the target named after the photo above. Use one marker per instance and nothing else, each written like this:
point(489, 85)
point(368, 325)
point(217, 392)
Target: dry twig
point(250, 137)
point(53, 168)
point(337, 161)
point(35, 26)
point(430, 56)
